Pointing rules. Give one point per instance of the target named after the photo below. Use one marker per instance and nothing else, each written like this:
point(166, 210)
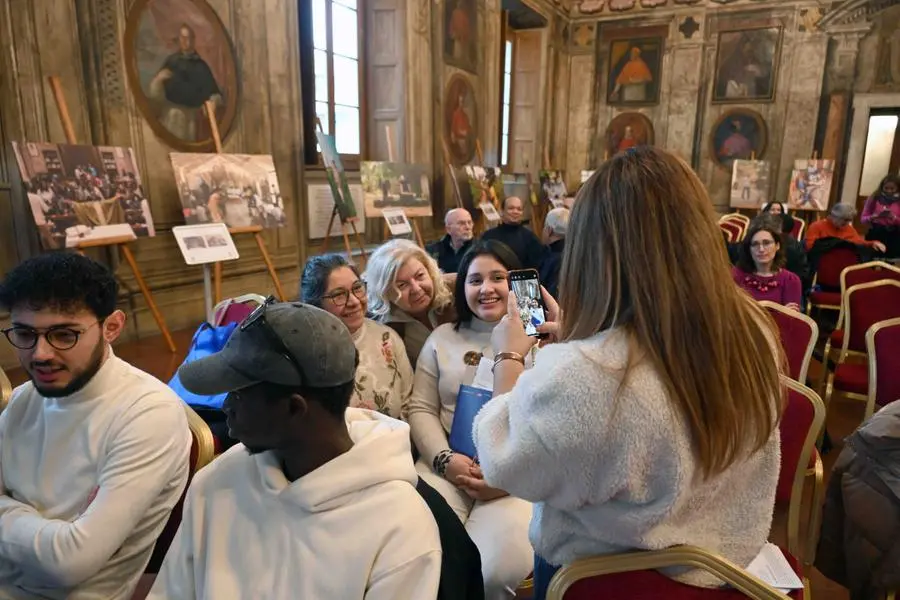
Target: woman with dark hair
point(384, 376)
point(496, 522)
point(882, 214)
point(760, 266)
point(780, 210)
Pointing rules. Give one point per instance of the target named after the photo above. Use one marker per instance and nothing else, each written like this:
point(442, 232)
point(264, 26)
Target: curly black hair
point(61, 281)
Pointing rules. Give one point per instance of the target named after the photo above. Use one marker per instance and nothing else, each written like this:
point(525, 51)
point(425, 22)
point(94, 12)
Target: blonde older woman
point(407, 293)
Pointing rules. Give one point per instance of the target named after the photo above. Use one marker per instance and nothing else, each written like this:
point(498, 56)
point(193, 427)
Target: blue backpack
point(207, 340)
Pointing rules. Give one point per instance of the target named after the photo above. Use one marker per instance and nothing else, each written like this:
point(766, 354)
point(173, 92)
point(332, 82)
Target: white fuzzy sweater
point(611, 469)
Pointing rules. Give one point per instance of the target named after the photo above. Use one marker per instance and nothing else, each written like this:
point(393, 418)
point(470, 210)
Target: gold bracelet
point(501, 356)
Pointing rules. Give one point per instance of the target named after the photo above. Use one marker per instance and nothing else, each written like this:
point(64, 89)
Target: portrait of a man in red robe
point(461, 34)
point(460, 120)
point(634, 70)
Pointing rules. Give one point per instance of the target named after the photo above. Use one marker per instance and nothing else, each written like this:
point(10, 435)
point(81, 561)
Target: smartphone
point(526, 285)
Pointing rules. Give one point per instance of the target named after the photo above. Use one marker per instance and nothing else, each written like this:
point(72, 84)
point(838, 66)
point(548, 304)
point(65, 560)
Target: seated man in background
point(93, 452)
point(449, 250)
point(839, 224)
point(555, 225)
point(318, 500)
point(521, 240)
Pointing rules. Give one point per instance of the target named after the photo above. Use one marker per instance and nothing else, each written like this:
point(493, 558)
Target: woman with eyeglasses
point(760, 267)
point(384, 377)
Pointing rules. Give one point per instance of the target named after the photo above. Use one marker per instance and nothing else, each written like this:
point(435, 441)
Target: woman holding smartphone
point(625, 435)
point(448, 363)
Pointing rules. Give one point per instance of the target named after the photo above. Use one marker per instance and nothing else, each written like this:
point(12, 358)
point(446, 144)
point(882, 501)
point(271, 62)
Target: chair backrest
point(737, 232)
point(202, 453)
point(798, 228)
point(801, 422)
point(5, 390)
point(798, 334)
point(235, 310)
point(864, 305)
point(634, 576)
point(883, 348)
point(729, 234)
point(831, 265)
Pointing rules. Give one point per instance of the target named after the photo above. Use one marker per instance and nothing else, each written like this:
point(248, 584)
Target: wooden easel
point(256, 230)
point(335, 213)
point(386, 232)
point(121, 243)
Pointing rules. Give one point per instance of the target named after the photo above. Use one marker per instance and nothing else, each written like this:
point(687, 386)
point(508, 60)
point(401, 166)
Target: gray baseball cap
point(288, 343)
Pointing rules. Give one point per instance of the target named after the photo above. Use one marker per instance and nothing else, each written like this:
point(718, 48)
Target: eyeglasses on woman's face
point(762, 244)
point(342, 296)
point(60, 338)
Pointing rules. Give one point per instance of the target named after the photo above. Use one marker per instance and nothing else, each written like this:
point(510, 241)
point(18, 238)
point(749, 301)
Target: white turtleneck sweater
point(439, 373)
point(87, 483)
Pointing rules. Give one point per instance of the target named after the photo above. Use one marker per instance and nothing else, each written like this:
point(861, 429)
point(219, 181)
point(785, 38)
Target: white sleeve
point(175, 580)
point(145, 456)
point(538, 441)
point(425, 406)
point(417, 578)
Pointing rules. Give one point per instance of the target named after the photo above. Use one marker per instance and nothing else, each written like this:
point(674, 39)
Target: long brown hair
point(645, 255)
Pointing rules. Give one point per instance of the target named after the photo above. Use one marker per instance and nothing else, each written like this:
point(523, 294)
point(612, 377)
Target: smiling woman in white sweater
point(496, 522)
point(652, 423)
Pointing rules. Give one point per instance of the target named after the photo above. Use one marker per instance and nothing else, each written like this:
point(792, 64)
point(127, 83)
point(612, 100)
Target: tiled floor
point(151, 355)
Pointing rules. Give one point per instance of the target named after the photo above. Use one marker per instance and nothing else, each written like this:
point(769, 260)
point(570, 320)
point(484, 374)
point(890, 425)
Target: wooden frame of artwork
point(722, 95)
point(616, 132)
point(655, 69)
point(459, 18)
point(225, 69)
point(755, 151)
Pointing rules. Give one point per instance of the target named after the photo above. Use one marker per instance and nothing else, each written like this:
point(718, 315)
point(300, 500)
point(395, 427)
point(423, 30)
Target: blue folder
point(469, 401)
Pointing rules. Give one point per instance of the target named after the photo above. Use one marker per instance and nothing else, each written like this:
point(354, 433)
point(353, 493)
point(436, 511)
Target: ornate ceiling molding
point(852, 12)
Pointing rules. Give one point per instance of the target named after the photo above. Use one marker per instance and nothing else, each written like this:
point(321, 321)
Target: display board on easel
point(206, 244)
point(344, 207)
point(246, 185)
point(124, 202)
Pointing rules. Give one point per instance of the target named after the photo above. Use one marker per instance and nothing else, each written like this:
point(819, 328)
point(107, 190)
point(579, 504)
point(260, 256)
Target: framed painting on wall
point(461, 34)
point(634, 72)
point(628, 130)
point(747, 65)
point(740, 133)
point(460, 120)
point(179, 56)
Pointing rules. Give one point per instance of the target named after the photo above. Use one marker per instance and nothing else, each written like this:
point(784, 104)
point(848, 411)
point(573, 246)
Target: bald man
point(449, 250)
point(518, 237)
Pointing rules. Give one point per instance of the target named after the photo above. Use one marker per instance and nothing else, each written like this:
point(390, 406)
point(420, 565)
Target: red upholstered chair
point(828, 276)
point(235, 310)
point(850, 276)
point(798, 229)
point(633, 576)
point(202, 453)
point(733, 230)
point(737, 221)
point(798, 333)
point(801, 423)
point(864, 305)
point(883, 348)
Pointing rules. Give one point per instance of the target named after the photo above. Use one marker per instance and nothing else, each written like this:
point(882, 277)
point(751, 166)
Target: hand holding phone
point(526, 285)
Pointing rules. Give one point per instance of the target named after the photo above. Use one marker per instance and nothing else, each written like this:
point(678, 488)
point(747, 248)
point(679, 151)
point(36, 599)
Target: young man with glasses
point(93, 452)
point(319, 501)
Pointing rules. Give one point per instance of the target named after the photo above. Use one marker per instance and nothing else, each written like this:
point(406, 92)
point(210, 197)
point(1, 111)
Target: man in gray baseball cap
point(320, 499)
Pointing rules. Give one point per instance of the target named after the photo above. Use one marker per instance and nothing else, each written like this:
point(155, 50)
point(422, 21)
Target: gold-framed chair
point(863, 305)
point(741, 222)
point(799, 335)
point(799, 227)
point(651, 561)
point(5, 390)
point(801, 425)
point(886, 336)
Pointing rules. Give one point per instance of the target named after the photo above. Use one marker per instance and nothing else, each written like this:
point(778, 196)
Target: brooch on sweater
point(762, 284)
point(472, 358)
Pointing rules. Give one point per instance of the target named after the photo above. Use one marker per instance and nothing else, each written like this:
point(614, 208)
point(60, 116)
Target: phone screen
point(529, 301)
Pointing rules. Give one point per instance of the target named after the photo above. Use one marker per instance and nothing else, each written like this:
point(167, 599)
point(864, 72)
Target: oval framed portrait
point(460, 119)
point(178, 57)
point(740, 133)
point(628, 130)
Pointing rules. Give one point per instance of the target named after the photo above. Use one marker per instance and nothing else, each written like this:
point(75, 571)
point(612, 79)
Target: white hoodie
point(353, 529)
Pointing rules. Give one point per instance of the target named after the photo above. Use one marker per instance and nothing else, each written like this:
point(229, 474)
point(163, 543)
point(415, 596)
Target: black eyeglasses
point(61, 338)
point(258, 318)
point(341, 297)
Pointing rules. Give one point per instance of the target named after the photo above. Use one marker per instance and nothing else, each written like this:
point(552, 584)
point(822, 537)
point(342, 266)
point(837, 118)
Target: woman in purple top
point(759, 270)
point(882, 214)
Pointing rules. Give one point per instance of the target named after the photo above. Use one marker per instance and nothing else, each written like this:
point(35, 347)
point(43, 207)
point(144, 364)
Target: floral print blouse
point(384, 378)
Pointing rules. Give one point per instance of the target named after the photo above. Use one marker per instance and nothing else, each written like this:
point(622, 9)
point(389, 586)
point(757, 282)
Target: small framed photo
point(490, 213)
